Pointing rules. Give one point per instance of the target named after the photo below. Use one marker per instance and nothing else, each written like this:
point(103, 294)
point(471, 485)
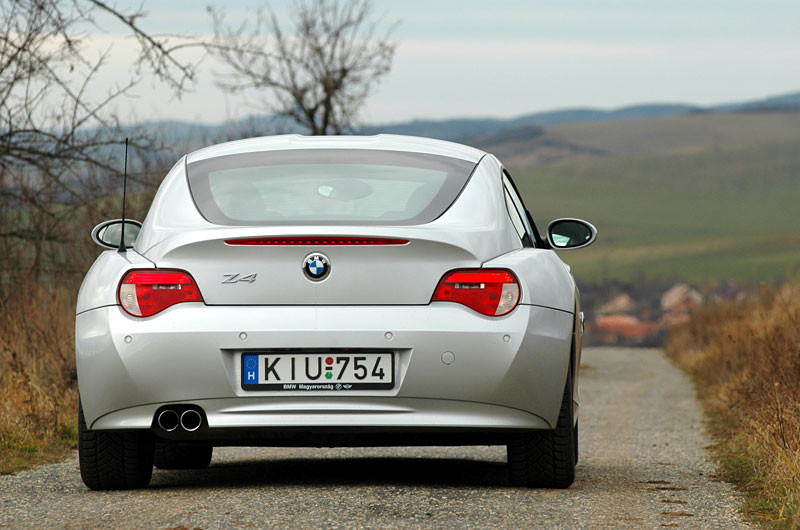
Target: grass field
point(703, 215)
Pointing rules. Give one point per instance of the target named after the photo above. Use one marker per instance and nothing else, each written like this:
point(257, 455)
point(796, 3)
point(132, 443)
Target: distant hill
point(468, 129)
point(689, 133)
point(778, 103)
point(451, 129)
point(460, 129)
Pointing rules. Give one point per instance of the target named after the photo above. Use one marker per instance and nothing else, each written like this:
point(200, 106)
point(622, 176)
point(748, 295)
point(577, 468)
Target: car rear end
point(336, 296)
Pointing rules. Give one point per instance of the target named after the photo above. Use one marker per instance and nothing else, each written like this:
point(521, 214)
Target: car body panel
point(194, 350)
point(359, 275)
point(384, 142)
point(172, 211)
point(545, 280)
point(347, 413)
point(99, 287)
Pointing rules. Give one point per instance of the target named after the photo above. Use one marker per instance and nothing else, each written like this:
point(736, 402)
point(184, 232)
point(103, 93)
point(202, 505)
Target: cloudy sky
point(459, 58)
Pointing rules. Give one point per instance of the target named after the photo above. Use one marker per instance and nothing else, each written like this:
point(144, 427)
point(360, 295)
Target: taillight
point(492, 292)
point(313, 240)
point(146, 292)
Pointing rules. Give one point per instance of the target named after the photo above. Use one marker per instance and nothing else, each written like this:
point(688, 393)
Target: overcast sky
point(458, 58)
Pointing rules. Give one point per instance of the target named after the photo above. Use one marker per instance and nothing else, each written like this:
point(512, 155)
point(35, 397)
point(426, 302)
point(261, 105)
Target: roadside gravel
point(643, 464)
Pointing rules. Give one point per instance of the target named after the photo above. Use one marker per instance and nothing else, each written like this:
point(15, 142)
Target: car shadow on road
point(339, 472)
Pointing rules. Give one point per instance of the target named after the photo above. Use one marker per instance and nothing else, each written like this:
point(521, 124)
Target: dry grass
point(745, 357)
point(38, 386)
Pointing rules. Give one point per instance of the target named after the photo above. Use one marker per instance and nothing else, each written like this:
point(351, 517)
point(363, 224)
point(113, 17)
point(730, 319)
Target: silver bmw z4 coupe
point(330, 291)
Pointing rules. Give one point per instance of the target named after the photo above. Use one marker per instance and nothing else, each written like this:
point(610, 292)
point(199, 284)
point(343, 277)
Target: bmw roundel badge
point(316, 266)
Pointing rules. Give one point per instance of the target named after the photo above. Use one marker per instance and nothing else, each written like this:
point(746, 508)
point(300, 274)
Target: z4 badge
point(236, 278)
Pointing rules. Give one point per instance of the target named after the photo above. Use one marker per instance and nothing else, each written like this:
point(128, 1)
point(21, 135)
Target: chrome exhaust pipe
point(191, 420)
point(168, 420)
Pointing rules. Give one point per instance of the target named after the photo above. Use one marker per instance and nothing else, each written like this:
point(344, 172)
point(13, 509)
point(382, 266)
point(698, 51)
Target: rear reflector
point(316, 241)
point(492, 292)
point(143, 293)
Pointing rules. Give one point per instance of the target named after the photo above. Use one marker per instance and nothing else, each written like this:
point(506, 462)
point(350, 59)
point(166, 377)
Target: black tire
point(182, 456)
point(546, 459)
point(114, 460)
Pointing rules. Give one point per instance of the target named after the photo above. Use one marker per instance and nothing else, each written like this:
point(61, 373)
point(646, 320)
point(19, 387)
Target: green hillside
point(691, 133)
point(680, 133)
point(701, 214)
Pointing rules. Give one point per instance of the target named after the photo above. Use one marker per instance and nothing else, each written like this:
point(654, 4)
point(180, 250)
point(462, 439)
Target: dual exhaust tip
point(189, 420)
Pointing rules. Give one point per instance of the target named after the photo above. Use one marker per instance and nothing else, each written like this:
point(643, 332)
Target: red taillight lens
point(492, 292)
point(312, 240)
point(146, 292)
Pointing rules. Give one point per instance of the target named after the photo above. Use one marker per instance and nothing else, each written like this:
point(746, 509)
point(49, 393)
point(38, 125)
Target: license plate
point(317, 371)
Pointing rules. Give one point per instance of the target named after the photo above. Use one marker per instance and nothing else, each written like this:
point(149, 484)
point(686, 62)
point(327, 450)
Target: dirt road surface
point(643, 464)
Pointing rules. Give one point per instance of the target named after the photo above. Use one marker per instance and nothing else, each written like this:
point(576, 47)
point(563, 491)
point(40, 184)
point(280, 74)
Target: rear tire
point(546, 459)
point(182, 456)
point(114, 460)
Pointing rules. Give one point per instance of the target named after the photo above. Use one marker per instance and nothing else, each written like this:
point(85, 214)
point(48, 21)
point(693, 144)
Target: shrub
point(745, 358)
point(38, 384)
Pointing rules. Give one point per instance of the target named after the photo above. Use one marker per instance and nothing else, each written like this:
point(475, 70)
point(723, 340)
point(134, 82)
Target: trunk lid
point(360, 274)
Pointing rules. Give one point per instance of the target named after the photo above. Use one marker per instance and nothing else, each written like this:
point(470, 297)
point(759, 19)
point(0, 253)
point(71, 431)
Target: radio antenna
point(124, 191)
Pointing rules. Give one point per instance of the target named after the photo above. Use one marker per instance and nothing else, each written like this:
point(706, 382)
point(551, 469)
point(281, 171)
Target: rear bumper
point(343, 415)
point(508, 372)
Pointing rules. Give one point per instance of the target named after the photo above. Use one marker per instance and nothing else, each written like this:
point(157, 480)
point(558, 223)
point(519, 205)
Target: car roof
point(385, 142)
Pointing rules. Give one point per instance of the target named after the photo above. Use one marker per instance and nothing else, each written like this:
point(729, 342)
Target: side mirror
point(563, 234)
point(107, 233)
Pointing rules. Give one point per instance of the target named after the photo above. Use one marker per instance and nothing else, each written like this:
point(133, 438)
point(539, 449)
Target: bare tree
point(60, 147)
point(320, 74)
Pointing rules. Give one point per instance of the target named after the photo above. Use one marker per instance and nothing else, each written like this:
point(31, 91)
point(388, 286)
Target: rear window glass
point(334, 186)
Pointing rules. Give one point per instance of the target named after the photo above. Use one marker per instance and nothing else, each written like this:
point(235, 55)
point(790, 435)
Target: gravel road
point(643, 465)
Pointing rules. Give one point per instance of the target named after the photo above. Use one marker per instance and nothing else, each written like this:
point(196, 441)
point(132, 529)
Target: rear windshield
point(335, 186)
